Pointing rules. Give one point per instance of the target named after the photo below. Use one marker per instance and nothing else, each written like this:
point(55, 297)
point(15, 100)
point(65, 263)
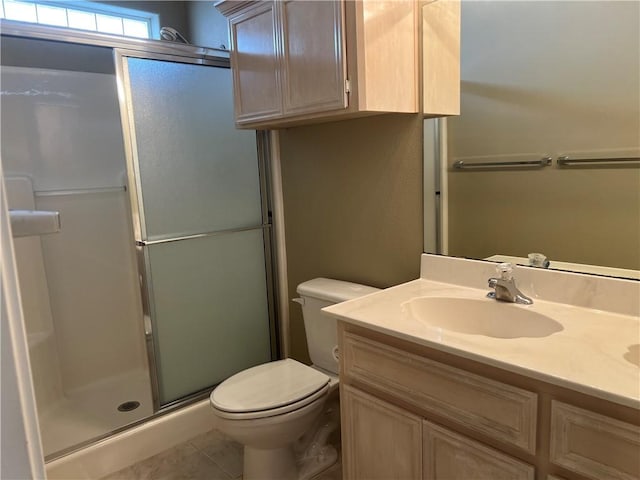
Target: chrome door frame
point(138, 220)
point(59, 34)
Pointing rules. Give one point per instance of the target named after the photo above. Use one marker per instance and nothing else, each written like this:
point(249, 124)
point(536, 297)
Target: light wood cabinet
point(381, 441)
point(495, 409)
point(594, 445)
point(448, 455)
point(477, 421)
point(256, 77)
point(313, 65)
point(331, 59)
point(287, 58)
point(441, 58)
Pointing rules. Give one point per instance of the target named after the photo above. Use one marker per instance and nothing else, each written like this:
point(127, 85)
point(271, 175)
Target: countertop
point(596, 352)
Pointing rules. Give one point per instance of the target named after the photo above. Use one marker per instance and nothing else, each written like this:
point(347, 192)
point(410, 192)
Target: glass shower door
point(200, 224)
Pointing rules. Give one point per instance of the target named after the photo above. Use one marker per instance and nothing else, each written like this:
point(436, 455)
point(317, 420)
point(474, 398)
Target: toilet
point(277, 409)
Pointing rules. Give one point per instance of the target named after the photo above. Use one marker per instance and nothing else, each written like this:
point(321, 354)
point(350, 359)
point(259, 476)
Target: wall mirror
point(545, 155)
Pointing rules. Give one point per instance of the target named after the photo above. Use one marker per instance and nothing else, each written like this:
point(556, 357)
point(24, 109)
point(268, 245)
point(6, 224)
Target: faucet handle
point(538, 260)
point(505, 270)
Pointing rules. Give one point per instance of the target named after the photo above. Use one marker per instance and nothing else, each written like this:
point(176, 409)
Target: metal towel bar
point(79, 191)
point(543, 162)
point(566, 161)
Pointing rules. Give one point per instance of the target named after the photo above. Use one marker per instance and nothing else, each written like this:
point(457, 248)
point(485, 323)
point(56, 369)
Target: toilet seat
point(269, 389)
point(272, 412)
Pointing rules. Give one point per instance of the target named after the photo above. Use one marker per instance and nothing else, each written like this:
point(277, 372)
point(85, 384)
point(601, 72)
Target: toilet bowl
point(275, 409)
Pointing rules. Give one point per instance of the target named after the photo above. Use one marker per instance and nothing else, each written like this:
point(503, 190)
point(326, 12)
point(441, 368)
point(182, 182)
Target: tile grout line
point(200, 452)
point(221, 467)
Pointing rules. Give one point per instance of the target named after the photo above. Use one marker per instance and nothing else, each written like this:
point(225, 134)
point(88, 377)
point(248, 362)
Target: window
point(82, 15)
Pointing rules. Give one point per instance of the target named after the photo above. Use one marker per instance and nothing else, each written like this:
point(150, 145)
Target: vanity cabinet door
point(450, 456)
point(594, 445)
point(379, 441)
point(254, 64)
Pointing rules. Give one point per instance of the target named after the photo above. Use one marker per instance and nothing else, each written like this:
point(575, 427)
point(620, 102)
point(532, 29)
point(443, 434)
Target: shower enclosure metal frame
point(134, 187)
point(181, 53)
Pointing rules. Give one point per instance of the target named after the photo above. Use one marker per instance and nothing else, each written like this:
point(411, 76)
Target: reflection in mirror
point(543, 80)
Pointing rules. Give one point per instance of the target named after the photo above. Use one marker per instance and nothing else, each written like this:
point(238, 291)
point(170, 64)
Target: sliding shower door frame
point(181, 53)
point(134, 188)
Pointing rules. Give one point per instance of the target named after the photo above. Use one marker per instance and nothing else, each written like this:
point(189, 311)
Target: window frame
point(151, 19)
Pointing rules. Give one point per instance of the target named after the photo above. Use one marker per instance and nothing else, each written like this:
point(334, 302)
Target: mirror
point(542, 81)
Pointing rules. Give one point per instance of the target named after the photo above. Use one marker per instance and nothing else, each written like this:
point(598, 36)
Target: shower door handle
point(147, 243)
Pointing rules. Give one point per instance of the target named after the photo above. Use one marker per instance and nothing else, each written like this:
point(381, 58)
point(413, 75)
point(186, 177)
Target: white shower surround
point(65, 135)
point(135, 444)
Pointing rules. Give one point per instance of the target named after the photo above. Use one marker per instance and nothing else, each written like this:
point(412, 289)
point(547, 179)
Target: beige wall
point(548, 78)
point(352, 204)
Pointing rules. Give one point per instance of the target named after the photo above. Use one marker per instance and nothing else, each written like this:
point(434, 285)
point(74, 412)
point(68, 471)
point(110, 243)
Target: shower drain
point(128, 406)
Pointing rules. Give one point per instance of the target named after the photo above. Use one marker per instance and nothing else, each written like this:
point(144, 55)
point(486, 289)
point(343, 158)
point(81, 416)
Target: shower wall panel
point(36, 306)
point(62, 130)
point(94, 295)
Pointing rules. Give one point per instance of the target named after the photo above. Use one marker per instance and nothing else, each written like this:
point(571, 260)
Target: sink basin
point(481, 317)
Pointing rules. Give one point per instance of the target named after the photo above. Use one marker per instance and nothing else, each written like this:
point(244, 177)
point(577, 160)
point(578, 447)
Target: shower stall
point(158, 284)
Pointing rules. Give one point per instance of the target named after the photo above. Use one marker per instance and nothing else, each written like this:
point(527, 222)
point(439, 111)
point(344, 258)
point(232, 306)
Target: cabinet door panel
point(441, 58)
point(594, 445)
point(501, 411)
point(449, 456)
point(254, 62)
point(314, 70)
point(379, 441)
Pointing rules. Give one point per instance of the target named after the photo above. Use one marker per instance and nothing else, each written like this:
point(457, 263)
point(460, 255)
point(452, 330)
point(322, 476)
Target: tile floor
point(210, 456)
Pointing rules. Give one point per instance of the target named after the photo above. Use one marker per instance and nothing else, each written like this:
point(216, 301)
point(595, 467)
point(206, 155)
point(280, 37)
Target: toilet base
point(274, 464)
point(281, 464)
point(318, 463)
point(313, 451)
point(304, 459)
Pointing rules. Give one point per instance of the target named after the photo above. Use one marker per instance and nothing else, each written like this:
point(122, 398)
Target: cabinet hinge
point(347, 86)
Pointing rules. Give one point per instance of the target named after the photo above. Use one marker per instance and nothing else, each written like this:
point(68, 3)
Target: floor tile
point(183, 462)
point(210, 456)
point(226, 453)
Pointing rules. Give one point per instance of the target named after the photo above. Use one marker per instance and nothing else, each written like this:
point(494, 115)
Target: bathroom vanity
point(522, 399)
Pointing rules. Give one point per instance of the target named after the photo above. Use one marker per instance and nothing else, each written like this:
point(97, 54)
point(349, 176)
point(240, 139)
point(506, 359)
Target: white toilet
point(268, 408)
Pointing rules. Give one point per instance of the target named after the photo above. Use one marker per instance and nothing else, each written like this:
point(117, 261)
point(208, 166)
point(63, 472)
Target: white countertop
point(595, 353)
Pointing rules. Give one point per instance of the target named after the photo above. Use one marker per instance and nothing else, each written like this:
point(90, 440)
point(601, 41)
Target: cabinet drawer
point(594, 445)
point(450, 456)
point(500, 411)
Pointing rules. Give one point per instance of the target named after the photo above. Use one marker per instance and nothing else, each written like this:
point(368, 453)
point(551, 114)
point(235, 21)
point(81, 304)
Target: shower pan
point(157, 285)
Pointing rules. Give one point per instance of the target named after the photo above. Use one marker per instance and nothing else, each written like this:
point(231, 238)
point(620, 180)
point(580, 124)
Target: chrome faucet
point(505, 286)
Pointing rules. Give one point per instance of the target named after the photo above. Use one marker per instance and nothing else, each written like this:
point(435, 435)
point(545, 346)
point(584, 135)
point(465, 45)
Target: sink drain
point(128, 406)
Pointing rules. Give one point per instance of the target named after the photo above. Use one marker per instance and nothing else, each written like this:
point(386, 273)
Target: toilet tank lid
point(333, 290)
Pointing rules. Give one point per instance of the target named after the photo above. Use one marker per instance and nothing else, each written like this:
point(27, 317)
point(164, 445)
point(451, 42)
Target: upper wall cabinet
point(441, 58)
point(256, 63)
point(296, 61)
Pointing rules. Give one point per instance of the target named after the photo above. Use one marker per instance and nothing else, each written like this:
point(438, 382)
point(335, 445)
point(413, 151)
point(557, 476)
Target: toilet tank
point(321, 329)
